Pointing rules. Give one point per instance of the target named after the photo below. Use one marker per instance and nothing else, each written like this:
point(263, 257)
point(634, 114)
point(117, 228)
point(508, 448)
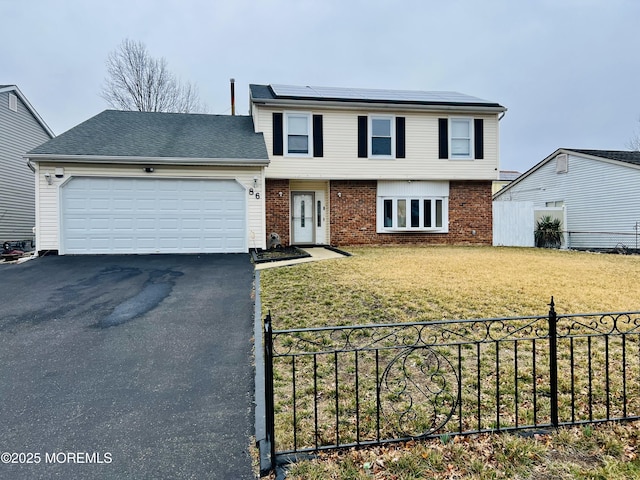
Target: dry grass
point(419, 284)
point(603, 453)
point(432, 283)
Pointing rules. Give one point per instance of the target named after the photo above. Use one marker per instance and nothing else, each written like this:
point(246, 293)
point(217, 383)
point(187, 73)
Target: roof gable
point(115, 133)
point(622, 156)
point(16, 91)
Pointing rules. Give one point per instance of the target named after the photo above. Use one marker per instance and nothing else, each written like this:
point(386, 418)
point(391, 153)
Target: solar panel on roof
point(373, 94)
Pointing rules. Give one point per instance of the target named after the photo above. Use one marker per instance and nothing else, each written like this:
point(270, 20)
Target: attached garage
point(143, 215)
point(145, 183)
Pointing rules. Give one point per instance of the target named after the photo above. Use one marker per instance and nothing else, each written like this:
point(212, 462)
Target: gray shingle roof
point(620, 155)
point(367, 95)
point(114, 133)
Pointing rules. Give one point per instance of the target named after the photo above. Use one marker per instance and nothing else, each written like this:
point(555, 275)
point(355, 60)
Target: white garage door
point(129, 215)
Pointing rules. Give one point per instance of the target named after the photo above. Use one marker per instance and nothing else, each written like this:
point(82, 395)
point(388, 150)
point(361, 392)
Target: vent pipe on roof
point(233, 96)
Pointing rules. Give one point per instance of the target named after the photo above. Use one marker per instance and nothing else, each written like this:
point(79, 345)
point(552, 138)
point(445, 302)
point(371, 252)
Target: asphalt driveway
point(126, 367)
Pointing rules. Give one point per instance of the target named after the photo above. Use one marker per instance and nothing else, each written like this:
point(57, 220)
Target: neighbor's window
point(461, 138)
point(415, 213)
point(298, 128)
point(381, 137)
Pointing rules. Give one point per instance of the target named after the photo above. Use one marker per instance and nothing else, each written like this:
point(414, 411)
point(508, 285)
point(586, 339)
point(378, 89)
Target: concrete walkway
point(317, 254)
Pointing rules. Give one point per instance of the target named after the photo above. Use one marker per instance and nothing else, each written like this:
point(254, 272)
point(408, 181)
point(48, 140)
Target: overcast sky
point(567, 70)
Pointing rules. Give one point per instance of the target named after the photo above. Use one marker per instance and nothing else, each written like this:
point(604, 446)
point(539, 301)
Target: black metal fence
point(336, 387)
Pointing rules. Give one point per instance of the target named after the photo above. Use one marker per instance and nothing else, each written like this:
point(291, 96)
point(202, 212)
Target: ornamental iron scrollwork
point(599, 324)
point(418, 392)
point(424, 334)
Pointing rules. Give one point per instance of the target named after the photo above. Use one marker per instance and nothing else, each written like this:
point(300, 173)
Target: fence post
point(553, 362)
point(268, 380)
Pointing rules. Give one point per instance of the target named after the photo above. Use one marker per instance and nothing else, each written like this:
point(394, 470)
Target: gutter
point(480, 108)
point(179, 161)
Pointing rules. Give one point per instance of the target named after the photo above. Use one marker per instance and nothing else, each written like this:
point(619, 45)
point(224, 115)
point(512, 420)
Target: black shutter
point(478, 138)
point(443, 138)
point(400, 153)
point(362, 137)
point(277, 134)
point(317, 136)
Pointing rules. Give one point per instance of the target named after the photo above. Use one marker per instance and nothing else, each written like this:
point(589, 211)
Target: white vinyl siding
point(19, 133)
point(341, 162)
point(49, 201)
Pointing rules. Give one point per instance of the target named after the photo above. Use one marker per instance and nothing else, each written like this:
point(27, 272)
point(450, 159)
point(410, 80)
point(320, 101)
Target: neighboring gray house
point(144, 182)
point(596, 194)
point(21, 129)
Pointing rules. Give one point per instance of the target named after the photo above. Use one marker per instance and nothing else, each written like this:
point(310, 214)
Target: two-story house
point(315, 165)
point(359, 166)
point(21, 129)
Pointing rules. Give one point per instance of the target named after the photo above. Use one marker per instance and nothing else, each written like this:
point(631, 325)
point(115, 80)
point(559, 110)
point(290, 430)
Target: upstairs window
point(381, 139)
point(381, 136)
point(461, 138)
point(297, 134)
point(298, 127)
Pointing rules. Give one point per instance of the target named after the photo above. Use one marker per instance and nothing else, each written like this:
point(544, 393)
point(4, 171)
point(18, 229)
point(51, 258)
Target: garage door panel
point(124, 215)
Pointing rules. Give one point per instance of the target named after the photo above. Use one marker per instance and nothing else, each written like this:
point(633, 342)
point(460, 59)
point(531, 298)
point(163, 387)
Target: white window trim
point(471, 155)
point(392, 123)
point(309, 134)
point(408, 228)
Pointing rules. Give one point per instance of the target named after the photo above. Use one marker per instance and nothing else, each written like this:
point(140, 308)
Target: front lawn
point(407, 284)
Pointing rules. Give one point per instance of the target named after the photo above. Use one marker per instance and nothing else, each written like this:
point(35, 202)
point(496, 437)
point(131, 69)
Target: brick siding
point(277, 209)
point(353, 214)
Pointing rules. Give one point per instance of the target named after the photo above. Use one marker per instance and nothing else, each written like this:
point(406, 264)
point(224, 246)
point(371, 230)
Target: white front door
point(302, 222)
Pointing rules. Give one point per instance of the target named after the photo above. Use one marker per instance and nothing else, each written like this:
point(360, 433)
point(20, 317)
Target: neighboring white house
point(21, 129)
point(596, 194)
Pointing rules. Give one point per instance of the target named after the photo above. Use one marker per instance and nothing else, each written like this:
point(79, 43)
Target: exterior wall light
point(47, 177)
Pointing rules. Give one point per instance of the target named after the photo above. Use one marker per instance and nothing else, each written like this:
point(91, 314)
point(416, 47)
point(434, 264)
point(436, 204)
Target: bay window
point(419, 206)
